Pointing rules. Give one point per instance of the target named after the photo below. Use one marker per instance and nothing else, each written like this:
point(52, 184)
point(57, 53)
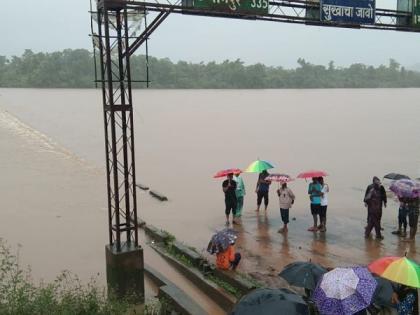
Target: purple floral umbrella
point(406, 188)
point(344, 291)
point(221, 241)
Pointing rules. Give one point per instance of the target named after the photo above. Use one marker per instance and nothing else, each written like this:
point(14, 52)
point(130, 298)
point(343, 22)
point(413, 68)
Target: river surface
point(53, 185)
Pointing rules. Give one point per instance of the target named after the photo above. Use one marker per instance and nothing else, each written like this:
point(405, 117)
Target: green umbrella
point(258, 166)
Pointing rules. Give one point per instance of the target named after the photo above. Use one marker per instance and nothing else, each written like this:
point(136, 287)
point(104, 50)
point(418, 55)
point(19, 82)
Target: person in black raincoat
point(375, 197)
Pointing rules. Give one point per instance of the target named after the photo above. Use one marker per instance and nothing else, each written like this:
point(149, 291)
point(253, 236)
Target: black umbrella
point(396, 176)
point(271, 302)
point(383, 292)
point(303, 274)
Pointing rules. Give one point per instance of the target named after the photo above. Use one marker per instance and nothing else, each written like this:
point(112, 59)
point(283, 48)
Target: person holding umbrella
point(406, 273)
point(286, 199)
point(345, 291)
point(229, 188)
point(262, 189)
point(406, 300)
point(402, 218)
point(228, 259)
point(314, 191)
point(413, 217)
point(263, 185)
point(410, 191)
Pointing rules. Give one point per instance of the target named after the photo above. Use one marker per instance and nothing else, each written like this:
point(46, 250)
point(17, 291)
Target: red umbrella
point(310, 174)
point(224, 173)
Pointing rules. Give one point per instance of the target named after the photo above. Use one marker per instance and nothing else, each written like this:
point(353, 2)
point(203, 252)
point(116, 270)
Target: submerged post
point(124, 256)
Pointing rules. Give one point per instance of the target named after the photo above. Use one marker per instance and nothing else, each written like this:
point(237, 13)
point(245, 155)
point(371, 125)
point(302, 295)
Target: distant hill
point(75, 69)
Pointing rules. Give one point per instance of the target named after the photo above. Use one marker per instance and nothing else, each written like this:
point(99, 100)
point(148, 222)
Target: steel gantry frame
point(113, 36)
point(118, 37)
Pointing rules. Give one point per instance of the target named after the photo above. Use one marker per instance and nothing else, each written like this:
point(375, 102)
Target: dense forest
point(75, 69)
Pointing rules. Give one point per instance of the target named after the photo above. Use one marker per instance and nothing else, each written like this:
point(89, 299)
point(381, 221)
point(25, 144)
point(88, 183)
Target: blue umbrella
point(344, 291)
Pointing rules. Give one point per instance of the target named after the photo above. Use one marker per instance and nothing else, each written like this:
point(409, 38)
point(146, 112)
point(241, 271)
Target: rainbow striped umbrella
point(258, 166)
point(398, 269)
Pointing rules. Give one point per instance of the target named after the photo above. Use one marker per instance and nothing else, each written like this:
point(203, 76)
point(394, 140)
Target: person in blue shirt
point(406, 300)
point(314, 191)
point(262, 189)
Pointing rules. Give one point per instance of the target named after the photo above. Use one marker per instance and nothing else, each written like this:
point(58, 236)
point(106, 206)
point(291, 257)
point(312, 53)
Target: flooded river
point(53, 186)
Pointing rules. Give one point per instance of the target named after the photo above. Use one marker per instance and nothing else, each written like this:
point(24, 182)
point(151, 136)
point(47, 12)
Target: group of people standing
point(234, 190)
point(318, 195)
point(375, 199)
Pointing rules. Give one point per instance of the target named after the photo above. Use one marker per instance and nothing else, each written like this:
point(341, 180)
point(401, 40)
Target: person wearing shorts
point(229, 188)
point(262, 189)
point(314, 191)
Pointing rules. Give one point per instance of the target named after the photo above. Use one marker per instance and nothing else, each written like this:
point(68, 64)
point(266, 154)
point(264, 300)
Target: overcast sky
point(50, 25)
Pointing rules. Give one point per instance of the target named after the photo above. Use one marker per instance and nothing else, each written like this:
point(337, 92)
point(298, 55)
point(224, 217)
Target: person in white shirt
point(324, 204)
point(286, 199)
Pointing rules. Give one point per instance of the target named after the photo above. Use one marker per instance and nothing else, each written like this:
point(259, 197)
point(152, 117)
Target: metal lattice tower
point(115, 77)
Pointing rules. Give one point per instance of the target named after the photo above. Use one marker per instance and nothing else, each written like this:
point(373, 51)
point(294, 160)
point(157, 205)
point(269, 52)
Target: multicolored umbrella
point(303, 274)
point(310, 174)
point(271, 302)
point(281, 178)
point(224, 173)
point(258, 166)
point(221, 241)
point(344, 291)
point(398, 269)
point(406, 188)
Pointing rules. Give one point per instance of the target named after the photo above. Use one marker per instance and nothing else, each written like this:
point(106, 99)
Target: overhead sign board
point(416, 13)
point(348, 11)
point(254, 7)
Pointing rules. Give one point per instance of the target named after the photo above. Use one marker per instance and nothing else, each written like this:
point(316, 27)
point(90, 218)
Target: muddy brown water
point(53, 187)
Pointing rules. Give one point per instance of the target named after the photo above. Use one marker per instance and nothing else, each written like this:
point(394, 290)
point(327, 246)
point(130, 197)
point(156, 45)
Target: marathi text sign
point(348, 11)
point(255, 7)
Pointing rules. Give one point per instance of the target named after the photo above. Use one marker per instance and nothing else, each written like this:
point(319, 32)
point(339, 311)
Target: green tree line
point(75, 68)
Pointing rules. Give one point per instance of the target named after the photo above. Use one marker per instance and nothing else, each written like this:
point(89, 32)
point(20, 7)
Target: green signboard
point(254, 7)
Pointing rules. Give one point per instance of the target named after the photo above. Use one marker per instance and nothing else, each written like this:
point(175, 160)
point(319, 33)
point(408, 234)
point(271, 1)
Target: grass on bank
point(66, 295)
